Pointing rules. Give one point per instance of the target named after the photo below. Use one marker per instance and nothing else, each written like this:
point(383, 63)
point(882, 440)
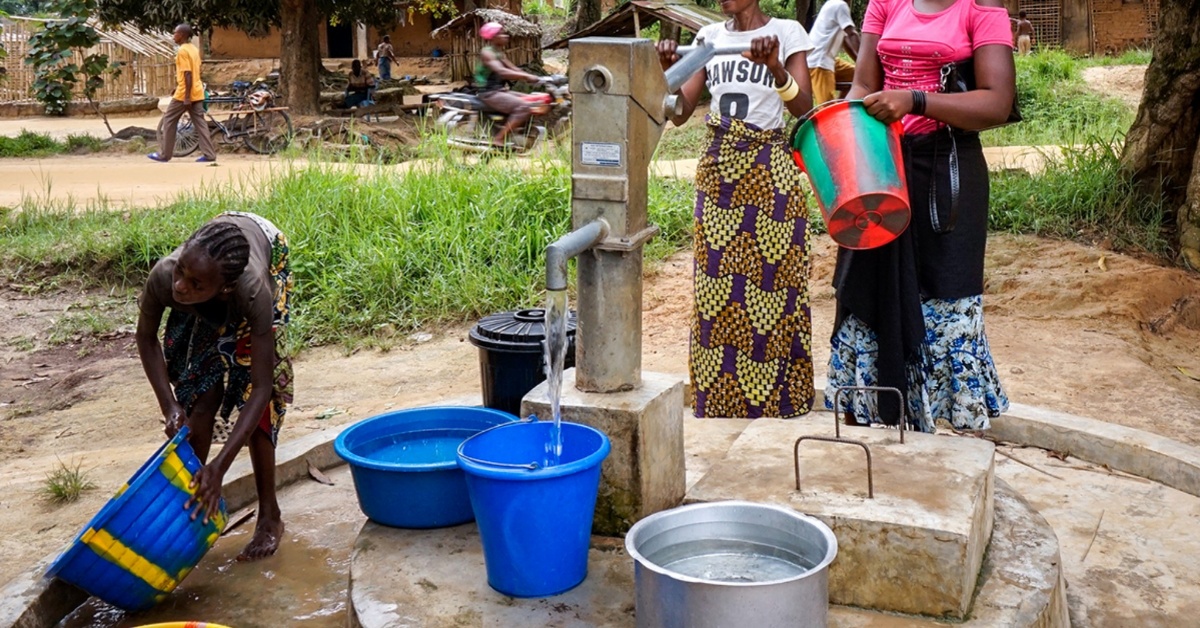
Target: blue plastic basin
point(405, 465)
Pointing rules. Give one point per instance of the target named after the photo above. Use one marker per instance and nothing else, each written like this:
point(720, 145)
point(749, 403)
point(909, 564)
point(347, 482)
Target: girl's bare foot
point(267, 534)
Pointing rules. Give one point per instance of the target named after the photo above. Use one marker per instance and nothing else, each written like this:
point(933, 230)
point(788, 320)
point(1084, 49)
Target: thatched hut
point(147, 60)
point(525, 45)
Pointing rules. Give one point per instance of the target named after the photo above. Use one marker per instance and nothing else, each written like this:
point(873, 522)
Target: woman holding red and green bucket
point(910, 313)
point(751, 327)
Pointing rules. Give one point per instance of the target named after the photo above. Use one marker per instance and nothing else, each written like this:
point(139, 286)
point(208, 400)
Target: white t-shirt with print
point(828, 31)
point(743, 89)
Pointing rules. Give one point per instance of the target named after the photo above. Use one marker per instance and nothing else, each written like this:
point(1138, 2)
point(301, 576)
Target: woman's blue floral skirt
point(953, 377)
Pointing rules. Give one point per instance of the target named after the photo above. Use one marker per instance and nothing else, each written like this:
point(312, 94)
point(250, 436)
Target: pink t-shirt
point(914, 46)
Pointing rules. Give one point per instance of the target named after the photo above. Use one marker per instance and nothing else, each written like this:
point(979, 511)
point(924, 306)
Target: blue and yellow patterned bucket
point(142, 544)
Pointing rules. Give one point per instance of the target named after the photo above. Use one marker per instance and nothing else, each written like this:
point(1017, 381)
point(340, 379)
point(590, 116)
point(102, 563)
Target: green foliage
point(256, 17)
point(1058, 108)
point(51, 52)
point(369, 248)
point(1081, 194)
point(30, 144)
point(66, 484)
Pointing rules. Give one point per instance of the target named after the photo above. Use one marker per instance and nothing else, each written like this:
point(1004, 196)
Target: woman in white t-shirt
point(751, 329)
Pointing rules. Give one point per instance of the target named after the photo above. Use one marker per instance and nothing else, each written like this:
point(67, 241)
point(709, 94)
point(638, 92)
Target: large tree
point(1162, 150)
point(299, 23)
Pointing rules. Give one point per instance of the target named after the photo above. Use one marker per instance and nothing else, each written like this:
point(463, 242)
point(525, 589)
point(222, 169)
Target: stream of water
point(556, 353)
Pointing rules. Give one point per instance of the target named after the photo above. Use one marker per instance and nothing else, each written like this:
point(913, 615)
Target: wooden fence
point(147, 66)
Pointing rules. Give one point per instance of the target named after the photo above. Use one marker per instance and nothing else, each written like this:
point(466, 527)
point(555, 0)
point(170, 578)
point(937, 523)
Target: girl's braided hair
point(225, 245)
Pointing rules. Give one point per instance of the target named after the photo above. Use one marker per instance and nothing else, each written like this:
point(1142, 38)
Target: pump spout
point(570, 246)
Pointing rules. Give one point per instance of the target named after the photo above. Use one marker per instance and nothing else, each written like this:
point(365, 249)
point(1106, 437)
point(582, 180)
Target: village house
point(412, 38)
point(1091, 27)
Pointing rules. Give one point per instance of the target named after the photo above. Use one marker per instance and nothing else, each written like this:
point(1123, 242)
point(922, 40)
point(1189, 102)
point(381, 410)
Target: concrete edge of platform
point(1126, 449)
point(33, 601)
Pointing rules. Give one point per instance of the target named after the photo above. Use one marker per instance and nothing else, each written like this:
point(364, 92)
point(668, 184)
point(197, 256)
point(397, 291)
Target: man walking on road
point(189, 98)
point(832, 32)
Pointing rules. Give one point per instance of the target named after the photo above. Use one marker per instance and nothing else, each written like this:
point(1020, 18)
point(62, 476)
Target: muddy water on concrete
point(304, 585)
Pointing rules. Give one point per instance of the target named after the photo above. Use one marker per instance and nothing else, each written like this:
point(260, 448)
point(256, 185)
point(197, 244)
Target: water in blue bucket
point(534, 513)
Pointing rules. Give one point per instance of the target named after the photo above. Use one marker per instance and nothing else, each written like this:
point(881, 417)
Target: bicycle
point(262, 127)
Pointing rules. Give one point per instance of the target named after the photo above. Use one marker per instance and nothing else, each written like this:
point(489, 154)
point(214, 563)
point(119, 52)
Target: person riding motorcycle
point(492, 75)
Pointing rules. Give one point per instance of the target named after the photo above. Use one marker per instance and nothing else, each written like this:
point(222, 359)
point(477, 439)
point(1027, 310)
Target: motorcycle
point(470, 125)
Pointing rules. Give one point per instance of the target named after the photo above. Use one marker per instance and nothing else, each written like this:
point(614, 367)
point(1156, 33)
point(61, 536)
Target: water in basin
point(418, 447)
point(724, 560)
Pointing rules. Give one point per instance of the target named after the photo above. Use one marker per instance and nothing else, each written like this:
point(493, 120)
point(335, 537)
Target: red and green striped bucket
point(856, 169)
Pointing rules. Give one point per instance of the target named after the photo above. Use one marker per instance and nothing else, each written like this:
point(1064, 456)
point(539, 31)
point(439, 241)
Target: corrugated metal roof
point(620, 22)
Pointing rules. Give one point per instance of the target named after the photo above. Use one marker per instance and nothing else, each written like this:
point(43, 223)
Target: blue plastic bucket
point(535, 521)
point(142, 544)
point(405, 466)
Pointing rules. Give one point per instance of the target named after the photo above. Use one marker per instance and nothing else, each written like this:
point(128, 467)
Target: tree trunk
point(804, 13)
point(587, 12)
point(1161, 149)
point(300, 56)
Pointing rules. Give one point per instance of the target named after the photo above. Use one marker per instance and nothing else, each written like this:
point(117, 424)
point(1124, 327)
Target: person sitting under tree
point(359, 86)
point(224, 346)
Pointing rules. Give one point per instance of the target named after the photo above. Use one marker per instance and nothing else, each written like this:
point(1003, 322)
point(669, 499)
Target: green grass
point(30, 144)
point(369, 247)
point(1081, 196)
point(1132, 56)
point(66, 484)
point(1057, 107)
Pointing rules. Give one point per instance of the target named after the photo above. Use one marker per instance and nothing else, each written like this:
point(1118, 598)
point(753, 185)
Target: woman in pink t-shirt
point(910, 314)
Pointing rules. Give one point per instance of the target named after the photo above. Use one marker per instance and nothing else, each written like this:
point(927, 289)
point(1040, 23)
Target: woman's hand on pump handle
point(764, 50)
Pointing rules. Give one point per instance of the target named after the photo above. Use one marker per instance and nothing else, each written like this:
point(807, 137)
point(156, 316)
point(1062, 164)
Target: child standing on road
point(1024, 33)
point(224, 346)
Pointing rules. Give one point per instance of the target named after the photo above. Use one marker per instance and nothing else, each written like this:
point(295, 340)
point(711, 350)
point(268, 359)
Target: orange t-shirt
point(187, 59)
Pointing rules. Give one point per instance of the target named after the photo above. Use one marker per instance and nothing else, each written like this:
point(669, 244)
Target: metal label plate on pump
point(600, 154)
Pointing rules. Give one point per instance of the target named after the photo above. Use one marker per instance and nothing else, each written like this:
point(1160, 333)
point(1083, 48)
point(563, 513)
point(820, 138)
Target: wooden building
point(410, 38)
point(1090, 26)
point(147, 60)
point(462, 36)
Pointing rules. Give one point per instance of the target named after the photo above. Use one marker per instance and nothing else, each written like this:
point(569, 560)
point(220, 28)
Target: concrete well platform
point(916, 548)
point(436, 578)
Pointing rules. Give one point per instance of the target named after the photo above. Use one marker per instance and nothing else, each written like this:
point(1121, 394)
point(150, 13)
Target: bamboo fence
point(147, 61)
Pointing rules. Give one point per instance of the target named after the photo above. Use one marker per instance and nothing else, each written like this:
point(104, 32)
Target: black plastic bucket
point(512, 356)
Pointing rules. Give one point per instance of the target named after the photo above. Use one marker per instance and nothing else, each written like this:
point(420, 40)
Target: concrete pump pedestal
point(644, 472)
point(917, 547)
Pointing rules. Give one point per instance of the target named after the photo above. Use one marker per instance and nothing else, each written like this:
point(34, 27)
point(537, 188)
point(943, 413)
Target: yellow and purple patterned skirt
point(751, 327)
point(201, 355)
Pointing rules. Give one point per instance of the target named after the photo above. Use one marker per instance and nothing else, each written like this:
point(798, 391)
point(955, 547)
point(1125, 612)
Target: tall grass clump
point(1082, 195)
point(369, 246)
point(66, 484)
point(1057, 107)
point(30, 144)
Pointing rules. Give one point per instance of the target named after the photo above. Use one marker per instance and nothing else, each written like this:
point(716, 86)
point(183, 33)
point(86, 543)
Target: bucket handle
point(531, 466)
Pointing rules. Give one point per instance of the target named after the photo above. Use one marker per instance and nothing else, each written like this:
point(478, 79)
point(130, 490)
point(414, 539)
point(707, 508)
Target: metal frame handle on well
point(837, 430)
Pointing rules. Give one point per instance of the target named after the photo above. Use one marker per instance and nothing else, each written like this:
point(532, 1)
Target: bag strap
point(935, 218)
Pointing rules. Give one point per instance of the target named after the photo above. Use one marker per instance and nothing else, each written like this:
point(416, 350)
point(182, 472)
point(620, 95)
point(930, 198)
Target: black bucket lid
point(521, 330)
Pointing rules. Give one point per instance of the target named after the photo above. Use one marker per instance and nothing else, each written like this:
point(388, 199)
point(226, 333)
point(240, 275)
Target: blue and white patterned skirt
point(953, 378)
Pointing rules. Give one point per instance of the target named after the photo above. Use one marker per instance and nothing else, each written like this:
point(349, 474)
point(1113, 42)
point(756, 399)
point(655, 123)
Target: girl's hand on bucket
point(207, 498)
point(889, 106)
point(174, 417)
point(666, 53)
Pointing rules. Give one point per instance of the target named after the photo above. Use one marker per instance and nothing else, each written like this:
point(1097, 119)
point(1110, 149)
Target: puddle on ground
point(303, 585)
